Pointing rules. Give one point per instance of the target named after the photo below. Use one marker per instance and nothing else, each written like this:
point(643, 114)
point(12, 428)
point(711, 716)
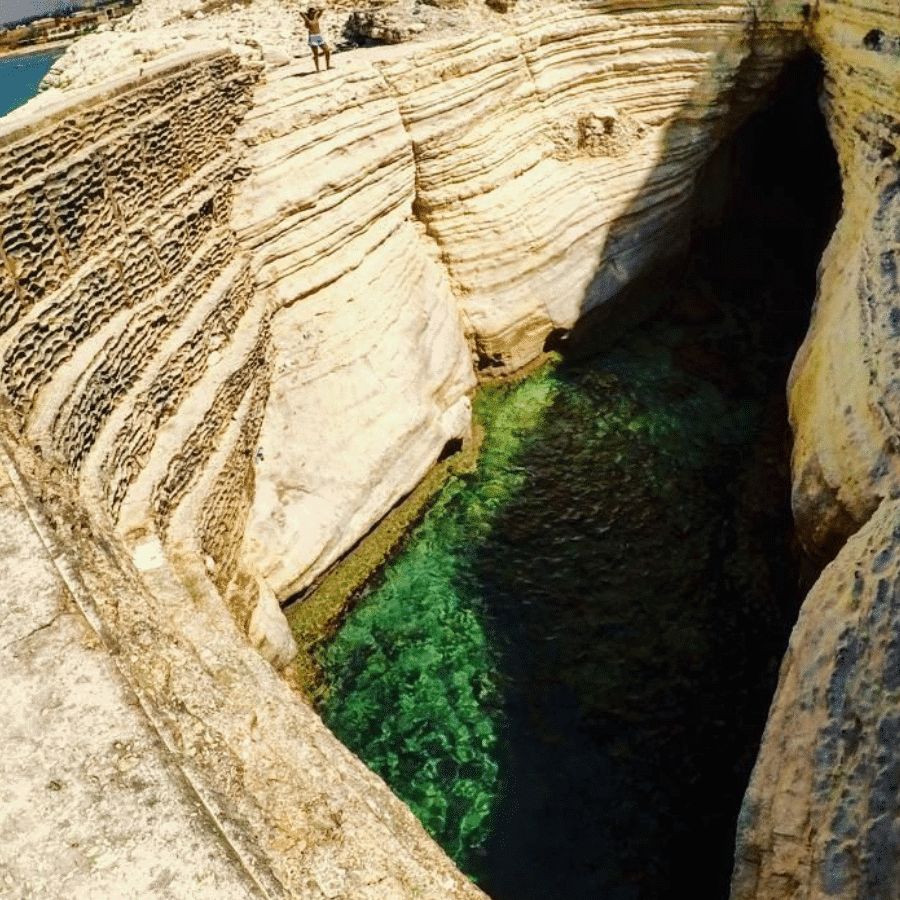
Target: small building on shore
point(57, 28)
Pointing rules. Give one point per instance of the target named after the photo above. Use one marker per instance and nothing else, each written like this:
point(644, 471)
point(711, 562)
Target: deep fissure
point(633, 589)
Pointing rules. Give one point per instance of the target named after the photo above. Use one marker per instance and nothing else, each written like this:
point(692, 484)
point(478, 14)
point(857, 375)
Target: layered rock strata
point(498, 187)
point(136, 351)
point(215, 761)
point(240, 314)
point(843, 390)
point(821, 814)
point(372, 366)
point(412, 211)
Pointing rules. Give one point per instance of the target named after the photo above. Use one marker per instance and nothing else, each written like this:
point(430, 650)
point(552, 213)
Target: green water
point(419, 647)
point(525, 670)
point(566, 671)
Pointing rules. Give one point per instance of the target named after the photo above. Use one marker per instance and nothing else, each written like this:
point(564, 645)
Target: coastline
point(34, 49)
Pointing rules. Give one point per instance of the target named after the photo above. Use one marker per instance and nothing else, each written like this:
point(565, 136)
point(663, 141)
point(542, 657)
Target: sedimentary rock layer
point(227, 300)
point(496, 187)
point(843, 385)
point(820, 816)
point(132, 328)
point(253, 790)
point(819, 819)
point(411, 212)
point(372, 364)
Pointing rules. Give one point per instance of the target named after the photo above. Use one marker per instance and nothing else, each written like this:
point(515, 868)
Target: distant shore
point(34, 48)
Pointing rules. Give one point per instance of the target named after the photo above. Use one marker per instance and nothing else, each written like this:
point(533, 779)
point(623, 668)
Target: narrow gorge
point(572, 657)
point(244, 311)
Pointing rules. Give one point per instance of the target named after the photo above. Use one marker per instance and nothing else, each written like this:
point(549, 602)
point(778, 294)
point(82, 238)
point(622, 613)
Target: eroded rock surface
point(820, 816)
point(819, 819)
point(240, 312)
point(493, 187)
point(843, 387)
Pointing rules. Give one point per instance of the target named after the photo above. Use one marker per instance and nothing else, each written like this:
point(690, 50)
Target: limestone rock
point(381, 27)
point(240, 308)
point(194, 746)
point(601, 132)
point(269, 631)
point(843, 386)
point(819, 818)
point(372, 364)
point(94, 805)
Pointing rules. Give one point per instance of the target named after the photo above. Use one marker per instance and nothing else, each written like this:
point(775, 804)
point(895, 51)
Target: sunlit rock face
point(414, 214)
point(820, 815)
point(843, 387)
point(426, 213)
point(243, 305)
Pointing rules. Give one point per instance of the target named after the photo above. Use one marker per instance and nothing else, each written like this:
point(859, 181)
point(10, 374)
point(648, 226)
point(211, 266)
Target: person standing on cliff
point(316, 41)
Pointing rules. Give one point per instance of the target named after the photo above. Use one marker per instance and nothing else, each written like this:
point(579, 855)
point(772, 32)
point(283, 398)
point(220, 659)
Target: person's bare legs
point(315, 51)
point(327, 50)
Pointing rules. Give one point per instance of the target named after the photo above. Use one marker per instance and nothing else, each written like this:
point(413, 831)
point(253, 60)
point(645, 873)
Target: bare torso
point(312, 22)
point(316, 41)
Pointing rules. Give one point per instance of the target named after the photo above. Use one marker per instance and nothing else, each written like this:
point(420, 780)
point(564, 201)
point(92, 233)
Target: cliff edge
point(242, 306)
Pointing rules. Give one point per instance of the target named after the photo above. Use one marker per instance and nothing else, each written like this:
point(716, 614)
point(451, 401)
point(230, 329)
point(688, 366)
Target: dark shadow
point(640, 593)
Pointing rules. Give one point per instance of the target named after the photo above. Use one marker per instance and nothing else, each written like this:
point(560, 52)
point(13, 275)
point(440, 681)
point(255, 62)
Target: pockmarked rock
point(242, 306)
point(821, 810)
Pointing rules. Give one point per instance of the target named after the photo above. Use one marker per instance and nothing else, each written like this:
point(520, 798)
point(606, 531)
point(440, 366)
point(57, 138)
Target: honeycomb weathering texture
point(224, 514)
point(119, 276)
point(221, 306)
point(189, 462)
point(392, 208)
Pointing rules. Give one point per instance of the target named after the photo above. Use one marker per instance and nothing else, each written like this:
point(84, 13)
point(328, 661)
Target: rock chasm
point(243, 307)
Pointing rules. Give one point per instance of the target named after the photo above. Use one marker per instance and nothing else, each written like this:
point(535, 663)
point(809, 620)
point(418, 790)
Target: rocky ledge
point(242, 307)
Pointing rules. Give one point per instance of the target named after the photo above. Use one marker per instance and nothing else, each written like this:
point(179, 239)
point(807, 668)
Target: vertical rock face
point(491, 188)
point(239, 313)
point(842, 390)
point(820, 817)
point(372, 365)
point(136, 352)
point(397, 219)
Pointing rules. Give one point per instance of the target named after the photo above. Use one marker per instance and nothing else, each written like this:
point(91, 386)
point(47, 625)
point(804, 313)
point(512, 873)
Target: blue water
point(21, 75)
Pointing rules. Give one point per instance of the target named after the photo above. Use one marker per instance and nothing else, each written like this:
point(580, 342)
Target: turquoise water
point(21, 75)
point(537, 674)
point(566, 670)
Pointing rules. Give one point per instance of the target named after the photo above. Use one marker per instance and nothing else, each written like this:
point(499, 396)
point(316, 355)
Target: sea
point(21, 75)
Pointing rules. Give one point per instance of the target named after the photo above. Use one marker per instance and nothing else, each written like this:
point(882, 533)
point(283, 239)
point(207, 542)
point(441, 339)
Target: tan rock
point(842, 386)
point(818, 818)
point(146, 729)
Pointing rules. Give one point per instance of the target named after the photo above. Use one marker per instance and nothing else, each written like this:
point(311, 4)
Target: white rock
point(275, 57)
point(269, 630)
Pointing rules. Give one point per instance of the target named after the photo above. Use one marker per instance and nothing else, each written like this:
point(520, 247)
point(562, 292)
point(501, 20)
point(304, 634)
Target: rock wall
point(372, 366)
point(136, 351)
point(496, 187)
point(217, 759)
point(138, 357)
point(821, 814)
point(240, 314)
point(842, 388)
